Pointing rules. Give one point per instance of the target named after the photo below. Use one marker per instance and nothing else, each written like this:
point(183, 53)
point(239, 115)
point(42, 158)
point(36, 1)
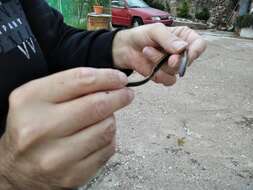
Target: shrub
point(156, 5)
point(245, 21)
point(167, 6)
point(101, 2)
point(204, 14)
point(183, 10)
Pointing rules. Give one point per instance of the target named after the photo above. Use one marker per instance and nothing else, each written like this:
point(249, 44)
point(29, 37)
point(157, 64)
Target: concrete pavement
point(197, 135)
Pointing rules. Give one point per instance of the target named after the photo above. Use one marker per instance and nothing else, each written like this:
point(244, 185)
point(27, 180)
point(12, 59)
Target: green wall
point(75, 11)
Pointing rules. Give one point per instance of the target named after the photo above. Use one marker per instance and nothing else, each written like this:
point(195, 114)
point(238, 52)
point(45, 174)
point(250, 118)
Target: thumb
point(166, 39)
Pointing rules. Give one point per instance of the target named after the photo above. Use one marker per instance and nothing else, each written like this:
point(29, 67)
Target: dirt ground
point(197, 135)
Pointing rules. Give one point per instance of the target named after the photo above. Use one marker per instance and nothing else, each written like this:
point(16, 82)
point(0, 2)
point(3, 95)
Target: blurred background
point(76, 11)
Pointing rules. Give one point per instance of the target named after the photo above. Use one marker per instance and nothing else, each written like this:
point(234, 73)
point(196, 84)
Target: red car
point(136, 12)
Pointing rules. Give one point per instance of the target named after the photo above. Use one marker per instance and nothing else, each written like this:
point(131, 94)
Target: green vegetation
point(75, 11)
point(183, 10)
point(155, 4)
point(104, 3)
point(245, 21)
point(204, 14)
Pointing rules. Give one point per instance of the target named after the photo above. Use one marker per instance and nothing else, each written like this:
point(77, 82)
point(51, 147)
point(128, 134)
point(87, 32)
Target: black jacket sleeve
point(66, 47)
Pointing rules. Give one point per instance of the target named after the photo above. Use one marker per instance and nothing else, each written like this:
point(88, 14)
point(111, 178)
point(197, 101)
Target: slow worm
point(182, 69)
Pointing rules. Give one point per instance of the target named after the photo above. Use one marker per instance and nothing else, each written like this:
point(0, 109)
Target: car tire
point(137, 22)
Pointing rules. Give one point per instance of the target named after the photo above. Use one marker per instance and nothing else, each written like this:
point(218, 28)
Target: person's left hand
point(141, 48)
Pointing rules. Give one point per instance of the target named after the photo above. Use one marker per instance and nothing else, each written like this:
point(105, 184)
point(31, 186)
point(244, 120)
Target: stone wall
point(220, 10)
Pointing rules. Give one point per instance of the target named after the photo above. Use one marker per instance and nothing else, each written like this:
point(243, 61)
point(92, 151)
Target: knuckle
point(176, 68)
point(88, 74)
point(113, 148)
point(21, 138)
point(47, 164)
point(101, 108)
point(80, 73)
point(74, 181)
point(125, 98)
point(69, 182)
point(159, 25)
point(172, 71)
point(14, 97)
point(66, 183)
point(109, 132)
point(23, 94)
point(157, 79)
point(106, 157)
point(111, 122)
point(113, 76)
point(171, 81)
point(186, 28)
point(17, 97)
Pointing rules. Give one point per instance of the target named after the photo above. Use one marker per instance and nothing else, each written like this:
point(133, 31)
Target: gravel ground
point(197, 135)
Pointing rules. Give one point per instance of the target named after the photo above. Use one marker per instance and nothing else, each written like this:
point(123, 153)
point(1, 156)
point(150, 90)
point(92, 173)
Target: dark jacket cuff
point(101, 51)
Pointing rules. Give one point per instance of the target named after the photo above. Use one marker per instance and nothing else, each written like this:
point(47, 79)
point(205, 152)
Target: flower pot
point(98, 9)
point(247, 32)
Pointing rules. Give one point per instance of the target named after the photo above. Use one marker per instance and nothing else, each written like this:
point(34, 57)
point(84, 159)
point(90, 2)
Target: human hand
point(61, 129)
point(141, 48)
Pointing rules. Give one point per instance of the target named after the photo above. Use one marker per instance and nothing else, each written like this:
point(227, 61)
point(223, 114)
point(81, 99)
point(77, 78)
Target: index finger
point(166, 39)
point(74, 83)
point(197, 45)
point(196, 49)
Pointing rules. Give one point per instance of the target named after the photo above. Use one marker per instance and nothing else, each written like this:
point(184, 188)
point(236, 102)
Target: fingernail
point(195, 56)
point(130, 94)
point(192, 58)
point(173, 62)
point(146, 50)
point(178, 45)
point(123, 78)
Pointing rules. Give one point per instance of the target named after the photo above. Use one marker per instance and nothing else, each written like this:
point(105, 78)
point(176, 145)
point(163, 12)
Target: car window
point(115, 3)
point(118, 3)
point(137, 4)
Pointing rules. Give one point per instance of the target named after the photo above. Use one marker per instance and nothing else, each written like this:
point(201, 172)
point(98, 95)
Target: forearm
point(66, 47)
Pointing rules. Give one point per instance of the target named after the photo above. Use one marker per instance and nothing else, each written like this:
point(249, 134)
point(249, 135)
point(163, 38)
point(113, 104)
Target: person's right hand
point(61, 129)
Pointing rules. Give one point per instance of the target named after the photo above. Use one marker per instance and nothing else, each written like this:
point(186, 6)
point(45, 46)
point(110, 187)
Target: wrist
point(119, 50)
